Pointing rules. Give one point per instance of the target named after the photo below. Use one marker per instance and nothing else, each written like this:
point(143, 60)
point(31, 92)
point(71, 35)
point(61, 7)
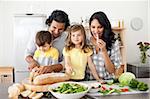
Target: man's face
point(56, 28)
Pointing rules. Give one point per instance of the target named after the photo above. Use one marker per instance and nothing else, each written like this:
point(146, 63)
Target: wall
point(76, 9)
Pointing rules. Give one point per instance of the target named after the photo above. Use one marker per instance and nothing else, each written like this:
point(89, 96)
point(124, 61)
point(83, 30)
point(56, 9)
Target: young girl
point(77, 54)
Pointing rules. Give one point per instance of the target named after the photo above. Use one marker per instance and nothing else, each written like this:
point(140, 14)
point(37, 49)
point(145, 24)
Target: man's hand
point(32, 65)
point(32, 62)
point(45, 69)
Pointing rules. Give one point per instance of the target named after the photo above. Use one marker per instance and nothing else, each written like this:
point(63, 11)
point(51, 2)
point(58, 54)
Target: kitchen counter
point(4, 91)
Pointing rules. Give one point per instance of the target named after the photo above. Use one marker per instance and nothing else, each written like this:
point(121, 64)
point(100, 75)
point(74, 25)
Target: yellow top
point(49, 57)
point(78, 60)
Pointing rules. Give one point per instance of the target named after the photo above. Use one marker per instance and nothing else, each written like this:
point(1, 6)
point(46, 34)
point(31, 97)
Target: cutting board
point(32, 87)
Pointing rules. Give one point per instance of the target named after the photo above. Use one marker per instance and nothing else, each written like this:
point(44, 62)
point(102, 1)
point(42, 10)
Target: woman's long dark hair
point(108, 35)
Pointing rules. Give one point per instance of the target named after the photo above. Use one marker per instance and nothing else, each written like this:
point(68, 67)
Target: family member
point(77, 54)
point(106, 54)
point(58, 22)
point(45, 54)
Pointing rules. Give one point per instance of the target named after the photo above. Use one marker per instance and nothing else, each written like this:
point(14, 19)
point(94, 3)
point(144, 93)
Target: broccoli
point(142, 86)
point(133, 83)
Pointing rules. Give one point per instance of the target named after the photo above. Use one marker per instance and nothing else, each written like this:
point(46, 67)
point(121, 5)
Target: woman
point(106, 56)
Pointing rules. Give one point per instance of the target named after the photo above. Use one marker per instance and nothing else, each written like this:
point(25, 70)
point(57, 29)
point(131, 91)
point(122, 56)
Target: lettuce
point(125, 78)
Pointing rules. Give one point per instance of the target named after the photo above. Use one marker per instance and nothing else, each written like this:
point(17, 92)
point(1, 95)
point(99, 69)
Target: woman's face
point(77, 37)
point(56, 28)
point(96, 29)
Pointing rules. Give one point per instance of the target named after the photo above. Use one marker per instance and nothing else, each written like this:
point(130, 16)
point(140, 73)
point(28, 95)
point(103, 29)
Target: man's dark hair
point(59, 16)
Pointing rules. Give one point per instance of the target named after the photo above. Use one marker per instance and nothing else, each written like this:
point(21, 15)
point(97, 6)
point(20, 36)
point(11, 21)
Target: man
point(58, 22)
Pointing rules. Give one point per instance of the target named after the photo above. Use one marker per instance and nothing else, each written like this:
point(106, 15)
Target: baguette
point(38, 96)
point(20, 86)
point(32, 94)
point(50, 78)
point(14, 92)
point(26, 93)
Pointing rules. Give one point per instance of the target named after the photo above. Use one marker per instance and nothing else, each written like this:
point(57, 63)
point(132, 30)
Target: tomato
point(124, 90)
point(103, 88)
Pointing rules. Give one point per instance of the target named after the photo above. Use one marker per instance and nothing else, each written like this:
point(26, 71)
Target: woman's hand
point(101, 45)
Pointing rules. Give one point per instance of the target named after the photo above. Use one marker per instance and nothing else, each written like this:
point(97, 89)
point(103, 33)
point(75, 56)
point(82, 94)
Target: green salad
point(67, 88)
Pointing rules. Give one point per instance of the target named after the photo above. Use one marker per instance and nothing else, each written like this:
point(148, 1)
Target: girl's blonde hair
point(69, 45)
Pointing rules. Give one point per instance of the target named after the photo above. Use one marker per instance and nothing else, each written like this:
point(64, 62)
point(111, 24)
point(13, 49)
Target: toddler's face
point(45, 47)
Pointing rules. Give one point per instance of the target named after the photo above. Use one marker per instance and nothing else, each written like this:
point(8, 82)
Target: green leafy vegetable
point(67, 88)
point(142, 86)
point(125, 78)
point(133, 83)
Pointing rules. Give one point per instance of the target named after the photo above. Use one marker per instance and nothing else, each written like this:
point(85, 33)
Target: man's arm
point(29, 52)
point(32, 63)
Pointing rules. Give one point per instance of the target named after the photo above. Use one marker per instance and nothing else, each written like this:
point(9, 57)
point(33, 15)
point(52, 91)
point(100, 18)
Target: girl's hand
point(69, 70)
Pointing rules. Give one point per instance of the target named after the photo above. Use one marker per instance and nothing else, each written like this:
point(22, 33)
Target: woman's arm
point(93, 69)
point(110, 67)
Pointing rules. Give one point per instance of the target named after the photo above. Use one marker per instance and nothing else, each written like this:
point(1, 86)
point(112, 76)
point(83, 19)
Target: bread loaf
point(38, 96)
point(32, 94)
point(15, 90)
point(26, 93)
point(50, 78)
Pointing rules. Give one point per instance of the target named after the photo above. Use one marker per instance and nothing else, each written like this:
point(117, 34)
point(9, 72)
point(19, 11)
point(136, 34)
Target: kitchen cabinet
point(6, 74)
point(140, 71)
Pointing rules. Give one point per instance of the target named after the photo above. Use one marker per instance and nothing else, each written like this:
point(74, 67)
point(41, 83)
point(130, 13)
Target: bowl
point(70, 95)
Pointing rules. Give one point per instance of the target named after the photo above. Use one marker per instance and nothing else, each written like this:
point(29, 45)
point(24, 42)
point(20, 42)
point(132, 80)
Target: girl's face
point(77, 37)
point(96, 29)
point(45, 47)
